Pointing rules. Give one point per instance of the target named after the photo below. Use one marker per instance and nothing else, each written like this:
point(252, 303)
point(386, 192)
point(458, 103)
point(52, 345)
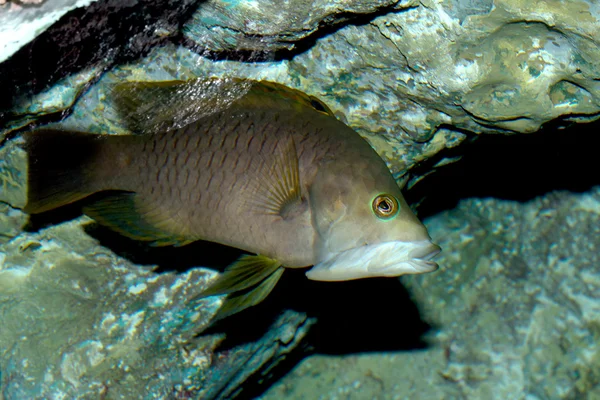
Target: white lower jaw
point(377, 260)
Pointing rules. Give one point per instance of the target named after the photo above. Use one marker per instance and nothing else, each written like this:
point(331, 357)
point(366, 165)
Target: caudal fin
point(59, 166)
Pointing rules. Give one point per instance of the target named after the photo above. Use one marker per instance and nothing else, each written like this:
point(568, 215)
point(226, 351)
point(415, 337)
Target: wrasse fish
point(272, 172)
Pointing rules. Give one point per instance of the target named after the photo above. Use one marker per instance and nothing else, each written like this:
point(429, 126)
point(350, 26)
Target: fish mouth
point(387, 259)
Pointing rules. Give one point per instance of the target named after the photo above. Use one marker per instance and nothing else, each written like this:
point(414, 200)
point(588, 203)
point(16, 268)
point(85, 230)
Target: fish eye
point(385, 206)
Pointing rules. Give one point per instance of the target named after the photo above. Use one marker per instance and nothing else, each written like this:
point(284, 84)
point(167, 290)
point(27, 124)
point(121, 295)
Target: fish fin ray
point(270, 94)
point(278, 189)
point(246, 282)
point(126, 214)
point(245, 272)
point(235, 304)
point(151, 107)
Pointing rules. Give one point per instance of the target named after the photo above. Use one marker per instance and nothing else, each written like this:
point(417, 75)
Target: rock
point(84, 41)
point(413, 78)
point(415, 81)
point(13, 179)
point(19, 24)
point(514, 306)
point(219, 25)
point(535, 290)
point(80, 322)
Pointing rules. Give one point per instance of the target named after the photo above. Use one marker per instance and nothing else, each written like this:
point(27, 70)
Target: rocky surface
point(42, 80)
point(222, 25)
point(414, 78)
point(514, 310)
point(78, 321)
point(21, 21)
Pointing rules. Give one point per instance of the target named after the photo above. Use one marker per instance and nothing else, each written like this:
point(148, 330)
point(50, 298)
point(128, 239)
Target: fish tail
point(60, 166)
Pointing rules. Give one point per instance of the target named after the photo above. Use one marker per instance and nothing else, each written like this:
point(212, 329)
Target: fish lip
point(426, 253)
point(387, 259)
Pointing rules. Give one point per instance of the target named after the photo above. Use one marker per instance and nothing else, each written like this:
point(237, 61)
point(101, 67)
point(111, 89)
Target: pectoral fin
point(247, 282)
point(278, 191)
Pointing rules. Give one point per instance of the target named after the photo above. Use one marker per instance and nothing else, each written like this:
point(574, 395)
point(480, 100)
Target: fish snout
point(422, 254)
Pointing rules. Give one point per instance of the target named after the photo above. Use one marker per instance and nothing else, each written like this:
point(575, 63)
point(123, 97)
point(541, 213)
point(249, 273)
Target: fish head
point(364, 226)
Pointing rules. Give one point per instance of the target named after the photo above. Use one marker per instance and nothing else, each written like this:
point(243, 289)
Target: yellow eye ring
point(385, 206)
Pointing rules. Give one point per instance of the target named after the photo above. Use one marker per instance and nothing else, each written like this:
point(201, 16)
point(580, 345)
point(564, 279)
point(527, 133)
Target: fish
point(269, 170)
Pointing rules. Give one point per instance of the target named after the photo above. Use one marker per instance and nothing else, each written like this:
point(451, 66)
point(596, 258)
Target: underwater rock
point(414, 78)
point(85, 41)
point(220, 25)
point(514, 310)
point(414, 81)
point(80, 322)
point(20, 22)
point(13, 180)
point(12, 191)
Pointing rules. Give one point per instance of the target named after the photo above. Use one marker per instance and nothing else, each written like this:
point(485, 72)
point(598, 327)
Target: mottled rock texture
point(71, 53)
point(273, 26)
point(412, 77)
point(78, 321)
point(22, 20)
point(515, 310)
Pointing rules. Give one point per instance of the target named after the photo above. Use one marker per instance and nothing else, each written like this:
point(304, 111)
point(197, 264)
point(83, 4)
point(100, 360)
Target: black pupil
point(317, 106)
point(384, 206)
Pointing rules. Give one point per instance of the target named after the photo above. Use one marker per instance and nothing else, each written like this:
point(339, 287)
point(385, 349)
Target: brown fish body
point(195, 176)
point(273, 173)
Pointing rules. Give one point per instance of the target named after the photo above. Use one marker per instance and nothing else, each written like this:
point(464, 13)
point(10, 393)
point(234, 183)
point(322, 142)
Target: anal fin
point(127, 214)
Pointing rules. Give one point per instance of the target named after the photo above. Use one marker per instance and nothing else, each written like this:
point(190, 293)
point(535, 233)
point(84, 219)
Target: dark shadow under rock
point(362, 316)
point(519, 167)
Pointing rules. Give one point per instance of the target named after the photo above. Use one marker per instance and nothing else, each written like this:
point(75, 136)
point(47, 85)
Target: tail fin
point(59, 166)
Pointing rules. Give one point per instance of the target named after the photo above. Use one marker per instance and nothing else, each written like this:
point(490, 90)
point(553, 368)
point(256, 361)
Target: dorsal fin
point(275, 95)
point(149, 107)
point(153, 106)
